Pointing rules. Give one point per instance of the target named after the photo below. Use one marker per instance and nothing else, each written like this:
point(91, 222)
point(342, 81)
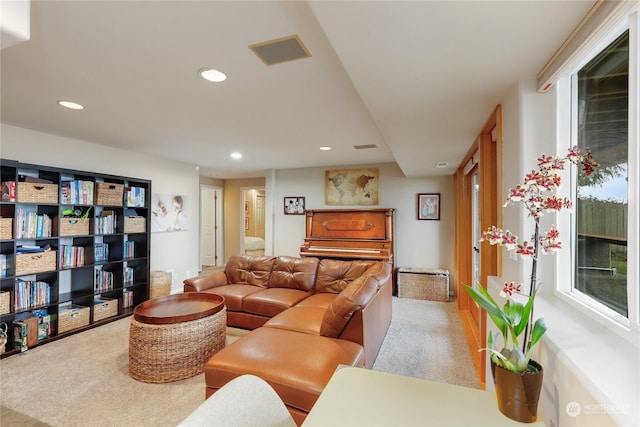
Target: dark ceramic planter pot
point(518, 392)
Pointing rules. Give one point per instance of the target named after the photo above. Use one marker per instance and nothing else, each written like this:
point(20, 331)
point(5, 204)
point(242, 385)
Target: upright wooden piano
point(350, 234)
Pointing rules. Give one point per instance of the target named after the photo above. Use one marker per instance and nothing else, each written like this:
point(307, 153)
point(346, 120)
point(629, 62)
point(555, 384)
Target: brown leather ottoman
point(297, 365)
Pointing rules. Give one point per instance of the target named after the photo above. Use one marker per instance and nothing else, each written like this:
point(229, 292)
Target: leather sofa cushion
point(335, 275)
point(267, 353)
point(355, 297)
point(294, 273)
point(234, 294)
point(322, 300)
point(299, 319)
point(253, 270)
point(269, 302)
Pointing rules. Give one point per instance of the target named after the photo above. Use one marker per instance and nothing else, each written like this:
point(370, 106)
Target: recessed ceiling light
point(236, 155)
point(325, 148)
point(71, 105)
point(212, 75)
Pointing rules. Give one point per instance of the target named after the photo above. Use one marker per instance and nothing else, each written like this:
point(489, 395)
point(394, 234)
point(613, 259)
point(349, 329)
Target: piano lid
point(349, 224)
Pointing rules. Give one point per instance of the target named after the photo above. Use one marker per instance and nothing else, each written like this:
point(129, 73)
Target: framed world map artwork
point(351, 187)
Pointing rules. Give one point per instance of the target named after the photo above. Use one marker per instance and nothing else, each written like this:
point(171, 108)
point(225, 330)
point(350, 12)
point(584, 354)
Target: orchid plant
point(537, 193)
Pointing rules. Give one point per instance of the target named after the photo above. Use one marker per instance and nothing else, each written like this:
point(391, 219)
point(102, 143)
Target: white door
point(209, 226)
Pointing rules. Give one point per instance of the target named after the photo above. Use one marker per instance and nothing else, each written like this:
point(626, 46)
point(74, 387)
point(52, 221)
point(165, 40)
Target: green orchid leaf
point(484, 300)
point(526, 315)
point(539, 329)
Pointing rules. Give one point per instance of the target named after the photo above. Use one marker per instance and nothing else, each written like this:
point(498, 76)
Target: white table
point(357, 396)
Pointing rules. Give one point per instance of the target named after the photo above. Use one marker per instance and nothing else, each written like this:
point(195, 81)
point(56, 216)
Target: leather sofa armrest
point(206, 281)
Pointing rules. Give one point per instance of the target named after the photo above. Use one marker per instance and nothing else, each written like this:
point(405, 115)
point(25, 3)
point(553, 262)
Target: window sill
point(578, 348)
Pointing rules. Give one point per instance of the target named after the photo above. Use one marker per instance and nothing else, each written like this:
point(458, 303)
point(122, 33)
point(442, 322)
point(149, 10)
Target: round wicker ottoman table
point(172, 337)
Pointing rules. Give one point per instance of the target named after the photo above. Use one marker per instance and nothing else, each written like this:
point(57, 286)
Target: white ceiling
point(416, 78)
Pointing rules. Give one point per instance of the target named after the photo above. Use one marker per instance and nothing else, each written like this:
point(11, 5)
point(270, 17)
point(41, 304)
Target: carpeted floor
point(83, 379)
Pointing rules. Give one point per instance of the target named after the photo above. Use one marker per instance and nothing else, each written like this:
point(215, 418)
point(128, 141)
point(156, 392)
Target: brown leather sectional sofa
point(307, 317)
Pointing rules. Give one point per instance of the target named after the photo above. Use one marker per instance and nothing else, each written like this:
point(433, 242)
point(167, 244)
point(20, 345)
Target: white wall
point(175, 251)
point(418, 243)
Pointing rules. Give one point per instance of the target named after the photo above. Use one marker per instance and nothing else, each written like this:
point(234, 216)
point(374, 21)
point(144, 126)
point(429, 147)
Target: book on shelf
point(129, 249)
point(104, 281)
point(8, 190)
point(106, 222)
point(101, 252)
point(127, 298)
point(20, 336)
point(31, 294)
point(70, 256)
point(127, 276)
point(76, 192)
point(135, 197)
point(30, 225)
point(4, 265)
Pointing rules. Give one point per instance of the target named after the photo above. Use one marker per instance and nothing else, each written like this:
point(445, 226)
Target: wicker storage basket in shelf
point(5, 301)
point(72, 318)
point(104, 307)
point(36, 192)
point(109, 194)
point(6, 228)
point(73, 227)
point(35, 262)
point(135, 224)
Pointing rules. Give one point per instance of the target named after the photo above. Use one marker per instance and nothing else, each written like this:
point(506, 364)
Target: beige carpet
point(83, 380)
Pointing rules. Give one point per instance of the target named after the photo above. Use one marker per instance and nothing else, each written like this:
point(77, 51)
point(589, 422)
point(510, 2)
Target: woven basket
point(109, 194)
point(35, 192)
point(135, 224)
point(424, 284)
point(6, 228)
point(5, 302)
point(35, 262)
point(104, 307)
point(73, 226)
point(73, 318)
point(171, 352)
point(160, 284)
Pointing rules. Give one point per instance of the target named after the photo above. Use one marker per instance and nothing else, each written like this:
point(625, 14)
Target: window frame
point(627, 327)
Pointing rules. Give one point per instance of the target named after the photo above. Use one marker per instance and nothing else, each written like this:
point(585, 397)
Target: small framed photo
point(294, 205)
point(429, 206)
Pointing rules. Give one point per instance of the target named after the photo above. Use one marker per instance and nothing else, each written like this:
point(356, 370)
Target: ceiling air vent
point(365, 146)
point(280, 50)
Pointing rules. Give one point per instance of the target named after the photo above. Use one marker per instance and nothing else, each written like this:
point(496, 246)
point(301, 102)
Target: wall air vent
point(280, 50)
point(365, 146)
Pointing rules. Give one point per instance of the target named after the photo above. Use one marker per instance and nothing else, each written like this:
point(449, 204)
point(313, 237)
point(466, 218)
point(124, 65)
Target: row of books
point(76, 192)
point(8, 191)
point(101, 252)
point(129, 249)
point(106, 222)
point(31, 294)
point(30, 225)
point(70, 256)
point(127, 298)
point(4, 265)
point(135, 197)
point(127, 276)
point(104, 281)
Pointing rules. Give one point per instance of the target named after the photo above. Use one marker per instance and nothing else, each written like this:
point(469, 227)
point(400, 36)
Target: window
point(601, 91)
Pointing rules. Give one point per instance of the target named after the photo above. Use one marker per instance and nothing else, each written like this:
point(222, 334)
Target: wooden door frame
point(488, 149)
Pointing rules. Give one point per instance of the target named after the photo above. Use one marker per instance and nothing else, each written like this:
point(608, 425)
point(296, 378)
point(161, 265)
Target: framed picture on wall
point(429, 206)
point(294, 205)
